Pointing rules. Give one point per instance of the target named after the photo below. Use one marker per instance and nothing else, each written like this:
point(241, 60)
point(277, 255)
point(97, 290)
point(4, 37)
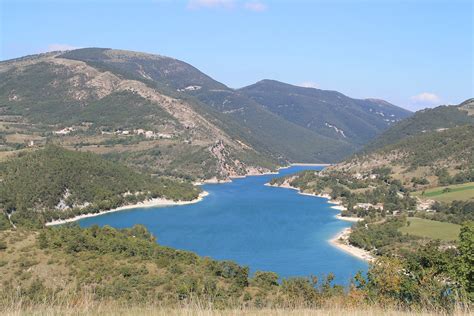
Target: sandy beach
point(341, 241)
point(158, 202)
point(348, 219)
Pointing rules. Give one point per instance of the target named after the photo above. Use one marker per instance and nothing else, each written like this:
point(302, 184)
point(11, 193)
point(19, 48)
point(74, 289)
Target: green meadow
point(449, 193)
point(431, 229)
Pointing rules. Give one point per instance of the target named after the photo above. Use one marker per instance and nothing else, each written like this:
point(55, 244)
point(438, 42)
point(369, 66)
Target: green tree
point(465, 265)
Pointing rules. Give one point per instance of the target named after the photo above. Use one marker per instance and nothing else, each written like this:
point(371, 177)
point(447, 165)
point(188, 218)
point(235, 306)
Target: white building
point(166, 136)
point(64, 131)
point(366, 206)
point(140, 131)
point(150, 134)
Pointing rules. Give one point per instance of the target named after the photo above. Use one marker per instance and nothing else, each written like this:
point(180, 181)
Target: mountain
point(95, 107)
point(327, 113)
point(237, 114)
point(53, 182)
point(433, 144)
point(425, 121)
point(421, 155)
point(164, 116)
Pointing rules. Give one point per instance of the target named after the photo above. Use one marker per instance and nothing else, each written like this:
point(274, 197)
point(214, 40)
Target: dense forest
point(54, 183)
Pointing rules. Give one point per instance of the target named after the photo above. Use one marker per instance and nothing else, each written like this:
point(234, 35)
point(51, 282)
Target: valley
point(116, 148)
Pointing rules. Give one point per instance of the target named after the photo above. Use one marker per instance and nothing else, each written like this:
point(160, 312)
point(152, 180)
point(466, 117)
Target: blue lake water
point(265, 228)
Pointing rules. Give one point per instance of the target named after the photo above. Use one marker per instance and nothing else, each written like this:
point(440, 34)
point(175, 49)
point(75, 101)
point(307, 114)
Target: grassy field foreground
point(431, 229)
point(198, 310)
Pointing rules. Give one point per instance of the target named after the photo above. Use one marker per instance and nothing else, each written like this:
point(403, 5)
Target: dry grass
point(199, 310)
point(22, 138)
point(84, 304)
point(102, 149)
point(5, 155)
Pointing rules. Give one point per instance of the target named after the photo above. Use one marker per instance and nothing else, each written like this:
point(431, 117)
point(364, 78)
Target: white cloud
point(60, 47)
point(309, 84)
point(426, 98)
point(255, 6)
point(198, 4)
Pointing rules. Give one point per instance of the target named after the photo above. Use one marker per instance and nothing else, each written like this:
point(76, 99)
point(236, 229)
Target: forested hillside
point(426, 121)
point(54, 183)
point(432, 147)
point(431, 155)
point(327, 113)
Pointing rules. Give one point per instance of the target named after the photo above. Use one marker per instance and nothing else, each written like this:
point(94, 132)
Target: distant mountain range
point(327, 113)
point(215, 130)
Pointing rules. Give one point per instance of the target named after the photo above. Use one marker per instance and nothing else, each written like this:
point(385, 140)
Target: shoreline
point(340, 240)
point(336, 204)
point(158, 202)
point(348, 219)
point(214, 180)
point(308, 164)
point(162, 202)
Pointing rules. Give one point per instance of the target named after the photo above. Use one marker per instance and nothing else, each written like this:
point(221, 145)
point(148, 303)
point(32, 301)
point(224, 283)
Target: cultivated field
point(431, 229)
point(449, 193)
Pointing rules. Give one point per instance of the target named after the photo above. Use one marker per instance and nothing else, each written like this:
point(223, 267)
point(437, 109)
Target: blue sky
point(412, 53)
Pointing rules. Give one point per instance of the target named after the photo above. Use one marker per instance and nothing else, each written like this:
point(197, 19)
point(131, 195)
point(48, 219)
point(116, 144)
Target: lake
point(265, 228)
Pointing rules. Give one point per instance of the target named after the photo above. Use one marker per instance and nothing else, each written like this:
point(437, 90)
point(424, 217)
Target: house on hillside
point(121, 132)
point(165, 136)
point(425, 205)
point(139, 131)
point(150, 134)
point(64, 131)
point(367, 206)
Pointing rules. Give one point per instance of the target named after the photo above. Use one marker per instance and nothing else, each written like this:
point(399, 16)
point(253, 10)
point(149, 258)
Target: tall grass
point(84, 304)
point(112, 309)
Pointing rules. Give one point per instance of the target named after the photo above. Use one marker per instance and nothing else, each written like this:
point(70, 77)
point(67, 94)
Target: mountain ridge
point(426, 120)
point(433, 144)
point(326, 112)
point(96, 91)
